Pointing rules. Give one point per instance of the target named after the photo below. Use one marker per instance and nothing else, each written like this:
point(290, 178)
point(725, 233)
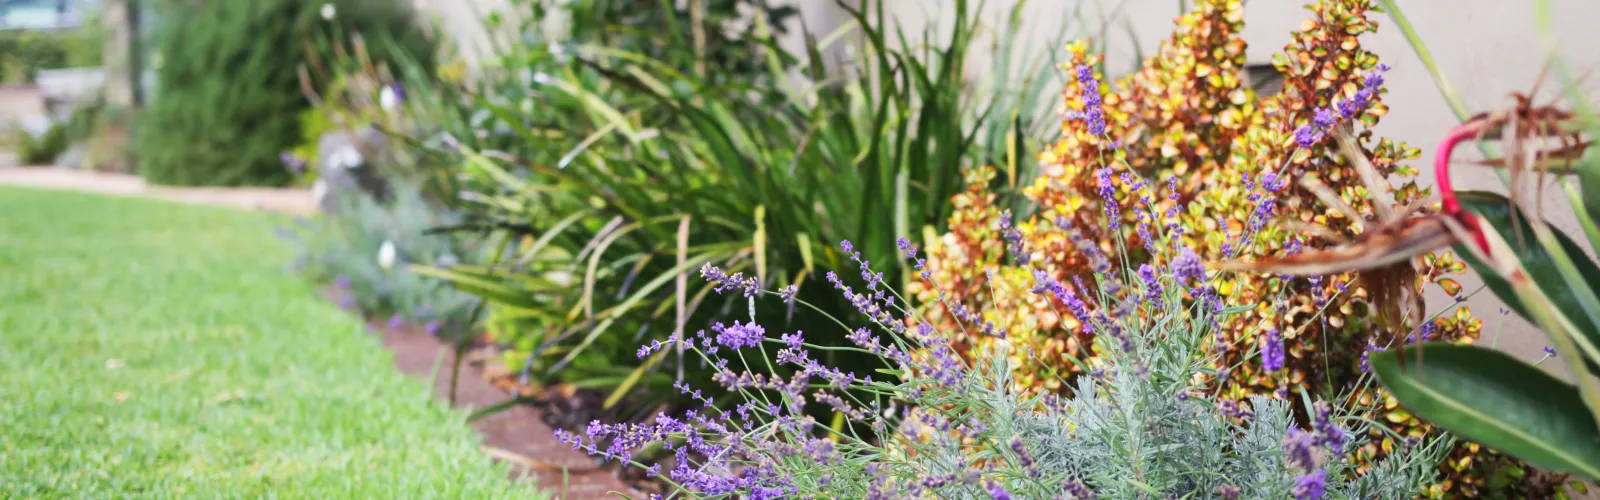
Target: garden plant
point(1540, 273)
point(228, 91)
point(367, 246)
point(633, 172)
point(1150, 419)
point(1191, 293)
point(1239, 177)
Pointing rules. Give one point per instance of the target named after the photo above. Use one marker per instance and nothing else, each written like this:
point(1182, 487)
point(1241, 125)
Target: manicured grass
point(159, 350)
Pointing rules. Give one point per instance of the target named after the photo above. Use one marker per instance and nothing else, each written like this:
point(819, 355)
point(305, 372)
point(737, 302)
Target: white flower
point(327, 12)
point(386, 255)
point(541, 78)
point(319, 190)
point(388, 99)
point(346, 157)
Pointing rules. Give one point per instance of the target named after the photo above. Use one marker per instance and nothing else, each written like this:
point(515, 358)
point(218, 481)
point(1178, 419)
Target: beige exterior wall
point(460, 21)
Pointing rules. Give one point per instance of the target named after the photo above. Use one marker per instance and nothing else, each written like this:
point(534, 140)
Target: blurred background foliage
point(24, 52)
point(228, 88)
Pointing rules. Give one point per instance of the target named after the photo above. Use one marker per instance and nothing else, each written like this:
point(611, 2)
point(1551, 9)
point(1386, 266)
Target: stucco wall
point(460, 20)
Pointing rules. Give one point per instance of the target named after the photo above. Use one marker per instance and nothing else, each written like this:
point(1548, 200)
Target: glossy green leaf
point(1491, 398)
point(1496, 211)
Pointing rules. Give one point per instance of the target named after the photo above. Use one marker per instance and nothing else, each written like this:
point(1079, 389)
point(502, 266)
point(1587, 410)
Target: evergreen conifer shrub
point(228, 94)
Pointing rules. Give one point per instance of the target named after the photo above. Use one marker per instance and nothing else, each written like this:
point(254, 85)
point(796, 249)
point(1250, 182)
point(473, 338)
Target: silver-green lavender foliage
point(347, 247)
point(925, 423)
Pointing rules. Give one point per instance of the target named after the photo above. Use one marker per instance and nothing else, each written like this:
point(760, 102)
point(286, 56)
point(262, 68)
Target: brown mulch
point(517, 435)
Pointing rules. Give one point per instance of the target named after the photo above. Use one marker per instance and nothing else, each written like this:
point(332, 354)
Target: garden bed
point(518, 435)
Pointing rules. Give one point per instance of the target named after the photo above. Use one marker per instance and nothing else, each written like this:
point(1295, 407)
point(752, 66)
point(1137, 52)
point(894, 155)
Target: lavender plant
point(366, 247)
point(1146, 422)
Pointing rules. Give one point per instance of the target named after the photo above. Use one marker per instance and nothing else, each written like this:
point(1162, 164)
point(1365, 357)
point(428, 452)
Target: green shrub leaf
point(1494, 399)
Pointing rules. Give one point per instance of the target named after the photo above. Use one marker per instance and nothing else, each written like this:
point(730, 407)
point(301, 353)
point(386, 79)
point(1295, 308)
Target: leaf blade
point(1494, 399)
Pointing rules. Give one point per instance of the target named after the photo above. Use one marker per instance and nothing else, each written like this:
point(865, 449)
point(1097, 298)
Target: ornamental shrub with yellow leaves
point(1218, 166)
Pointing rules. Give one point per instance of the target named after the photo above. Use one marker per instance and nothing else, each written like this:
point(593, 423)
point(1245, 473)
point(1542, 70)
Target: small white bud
point(388, 99)
point(386, 255)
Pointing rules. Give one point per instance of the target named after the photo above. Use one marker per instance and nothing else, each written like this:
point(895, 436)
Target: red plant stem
point(1447, 194)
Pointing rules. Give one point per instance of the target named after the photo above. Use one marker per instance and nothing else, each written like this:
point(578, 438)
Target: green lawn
point(161, 350)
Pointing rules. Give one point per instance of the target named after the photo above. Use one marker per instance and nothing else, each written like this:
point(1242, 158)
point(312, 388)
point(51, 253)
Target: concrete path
point(282, 200)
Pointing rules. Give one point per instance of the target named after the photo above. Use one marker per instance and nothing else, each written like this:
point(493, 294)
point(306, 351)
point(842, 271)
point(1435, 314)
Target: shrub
point(360, 96)
point(1225, 156)
point(630, 172)
point(1150, 421)
point(86, 122)
point(366, 247)
point(229, 96)
point(43, 149)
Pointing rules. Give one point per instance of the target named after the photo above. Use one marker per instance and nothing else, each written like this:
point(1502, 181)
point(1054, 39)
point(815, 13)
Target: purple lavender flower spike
point(292, 162)
point(1093, 104)
point(1310, 134)
point(1152, 284)
point(1187, 265)
point(1366, 364)
point(909, 248)
point(740, 335)
point(1076, 490)
point(1370, 86)
point(996, 492)
point(1272, 351)
point(1263, 213)
point(1300, 449)
point(395, 321)
point(1310, 486)
point(737, 281)
point(1270, 182)
point(1329, 435)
